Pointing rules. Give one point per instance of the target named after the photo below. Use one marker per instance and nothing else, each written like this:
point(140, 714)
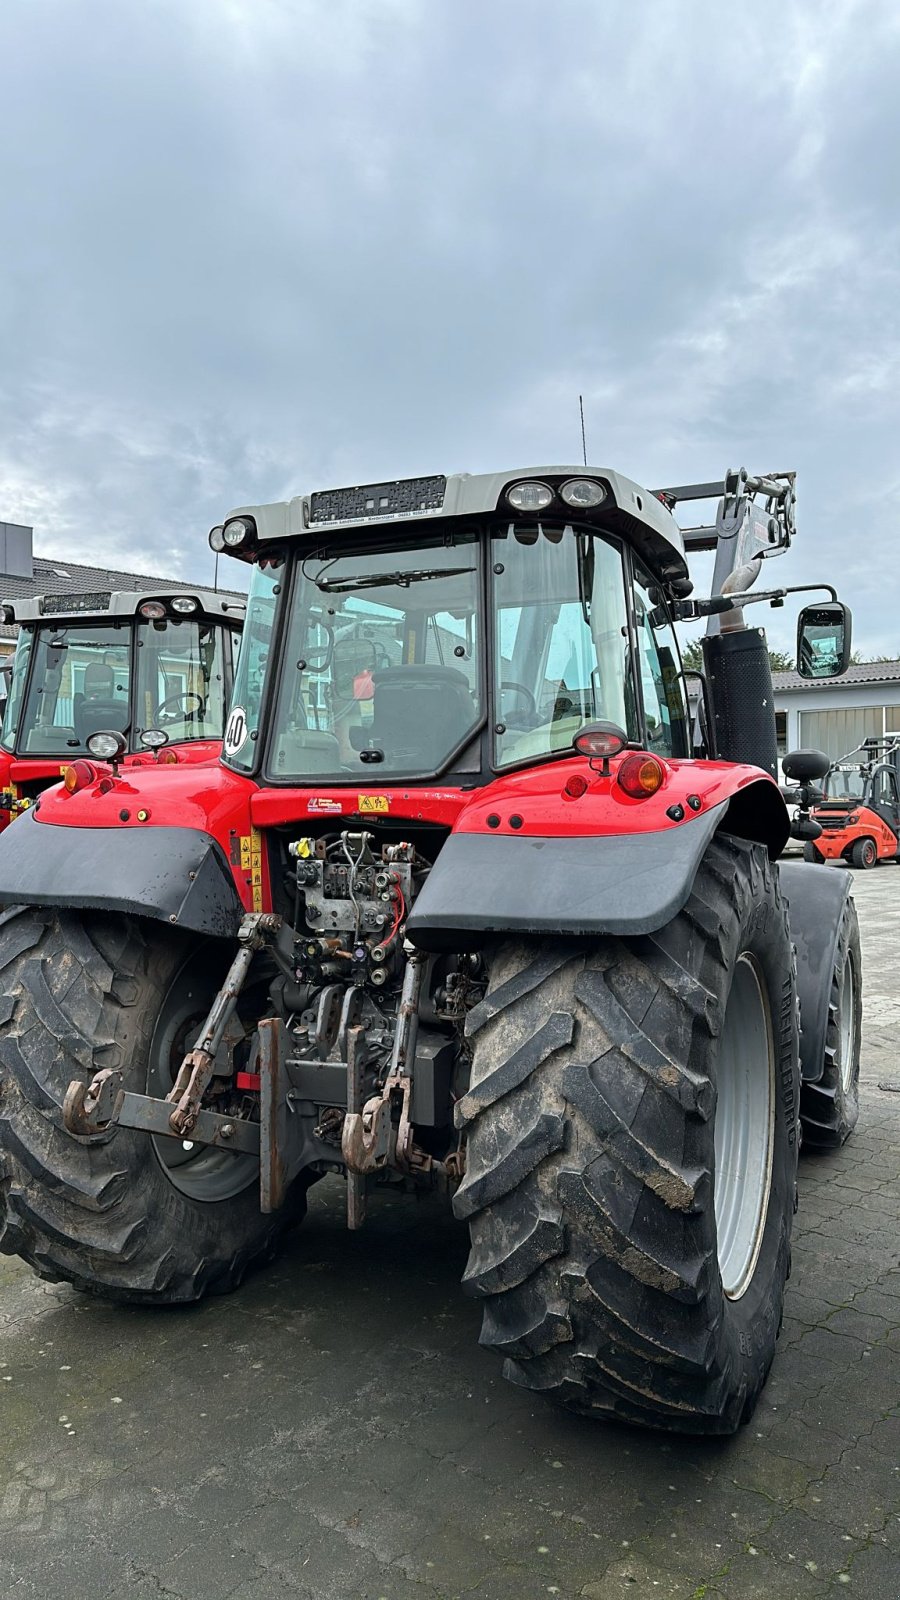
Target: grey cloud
point(251, 247)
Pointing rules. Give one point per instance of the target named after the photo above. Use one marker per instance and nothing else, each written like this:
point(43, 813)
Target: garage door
point(838, 732)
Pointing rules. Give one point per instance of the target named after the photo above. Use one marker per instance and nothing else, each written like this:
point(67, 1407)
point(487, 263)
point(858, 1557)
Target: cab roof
point(99, 605)
point(637, 514)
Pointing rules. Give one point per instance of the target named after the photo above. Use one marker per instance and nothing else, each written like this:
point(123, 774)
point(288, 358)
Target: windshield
point(847, 783)
point(381, 664)
point(81, 683)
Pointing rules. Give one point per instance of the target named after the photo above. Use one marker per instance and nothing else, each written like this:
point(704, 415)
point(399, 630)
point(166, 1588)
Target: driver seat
point(98, 710)
point(420, 713)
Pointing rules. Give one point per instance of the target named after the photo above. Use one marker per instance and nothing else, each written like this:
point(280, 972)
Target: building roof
point(53, 575)
point(854, 677)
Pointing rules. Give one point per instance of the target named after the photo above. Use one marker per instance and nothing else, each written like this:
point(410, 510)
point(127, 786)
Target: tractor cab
point(154, 669)
point(393, 651)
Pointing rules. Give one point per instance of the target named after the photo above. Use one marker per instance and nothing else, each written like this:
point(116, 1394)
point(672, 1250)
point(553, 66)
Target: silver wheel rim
point(848, 1024)
point(201, 1172)
point(744, 1132)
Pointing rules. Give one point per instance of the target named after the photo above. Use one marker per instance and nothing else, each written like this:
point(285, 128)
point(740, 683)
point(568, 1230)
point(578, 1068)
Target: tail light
point(640, 776)
point(168, 757)
point(575, 786)
point(80, 775)
point(600, 740)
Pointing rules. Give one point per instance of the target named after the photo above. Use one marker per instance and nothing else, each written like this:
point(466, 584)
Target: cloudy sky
point(252, 247)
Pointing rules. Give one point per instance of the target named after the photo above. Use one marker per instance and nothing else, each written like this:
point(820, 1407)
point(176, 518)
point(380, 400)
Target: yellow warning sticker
point(256, 869)
point(373, 802)
point(251, 862)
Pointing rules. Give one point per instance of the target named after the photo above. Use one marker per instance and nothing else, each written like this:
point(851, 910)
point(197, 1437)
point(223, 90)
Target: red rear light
point(640, 776)
point(78, 776)
point(600, 740)
point(575, 786)
point(169, 757)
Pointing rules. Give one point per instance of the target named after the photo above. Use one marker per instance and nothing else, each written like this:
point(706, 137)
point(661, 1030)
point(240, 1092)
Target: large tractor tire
point(121, 1214)
point(829, 1108)
point(632, 1156)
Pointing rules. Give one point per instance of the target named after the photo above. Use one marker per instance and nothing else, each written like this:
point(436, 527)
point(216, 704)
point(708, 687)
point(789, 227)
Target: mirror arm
point(693, 610)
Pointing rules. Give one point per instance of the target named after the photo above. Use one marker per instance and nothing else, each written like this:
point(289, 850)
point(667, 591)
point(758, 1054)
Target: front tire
point(829, 1108)
point(619, 1272)
point(118, 1214)
point(811, 852)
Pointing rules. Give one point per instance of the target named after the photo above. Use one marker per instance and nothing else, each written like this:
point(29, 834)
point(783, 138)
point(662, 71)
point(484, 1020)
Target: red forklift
point(155, 667)
point(859, 813)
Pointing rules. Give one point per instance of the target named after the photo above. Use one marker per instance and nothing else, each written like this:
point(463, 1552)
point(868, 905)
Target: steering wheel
point(175, 703)
point(520, 688)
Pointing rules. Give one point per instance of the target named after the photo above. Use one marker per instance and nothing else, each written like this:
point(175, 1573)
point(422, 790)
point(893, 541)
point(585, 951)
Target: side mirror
point(823, 640)
point(805, 766)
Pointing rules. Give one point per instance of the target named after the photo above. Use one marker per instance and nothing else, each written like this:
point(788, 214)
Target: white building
point(837, 714)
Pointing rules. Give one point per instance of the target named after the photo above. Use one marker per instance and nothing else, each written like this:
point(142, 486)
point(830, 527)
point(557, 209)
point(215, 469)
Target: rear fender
point(816, 897)
point(627, 877)
point(179, 876)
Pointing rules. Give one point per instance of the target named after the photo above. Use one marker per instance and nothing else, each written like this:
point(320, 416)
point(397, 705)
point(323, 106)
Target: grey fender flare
point(483, 885)
point(179, 876)
point(816, 897)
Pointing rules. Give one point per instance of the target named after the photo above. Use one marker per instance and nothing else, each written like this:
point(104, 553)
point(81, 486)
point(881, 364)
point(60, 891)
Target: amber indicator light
point(640, 776)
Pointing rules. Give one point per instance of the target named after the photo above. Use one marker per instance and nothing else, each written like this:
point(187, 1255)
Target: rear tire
point(864, 854)
point(84, 992)
point(812, 853)
point(829, 1109)
point(591, 1189)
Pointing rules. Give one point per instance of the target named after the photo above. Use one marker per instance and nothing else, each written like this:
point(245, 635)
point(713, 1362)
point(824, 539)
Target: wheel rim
point(745, 1121)
point(848, 1024)
point(202, 1172)
point(869, 854)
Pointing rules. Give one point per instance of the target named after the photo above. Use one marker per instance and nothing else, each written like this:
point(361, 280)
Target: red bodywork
point(21, 777)
point(839, 834)
point(236, 811)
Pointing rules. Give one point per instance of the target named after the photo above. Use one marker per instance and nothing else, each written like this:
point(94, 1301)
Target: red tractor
point(858, 815)
point(468, 905)
point(154, 670)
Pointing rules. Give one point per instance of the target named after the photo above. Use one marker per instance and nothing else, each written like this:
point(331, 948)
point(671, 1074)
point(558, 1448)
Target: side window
point(659, 670)
point(884, 788)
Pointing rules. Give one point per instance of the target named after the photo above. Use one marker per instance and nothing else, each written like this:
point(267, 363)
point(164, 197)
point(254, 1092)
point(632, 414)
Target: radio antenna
point(583, 442)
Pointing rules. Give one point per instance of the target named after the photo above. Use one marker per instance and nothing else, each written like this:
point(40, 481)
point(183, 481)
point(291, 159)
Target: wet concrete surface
point(335, 1431)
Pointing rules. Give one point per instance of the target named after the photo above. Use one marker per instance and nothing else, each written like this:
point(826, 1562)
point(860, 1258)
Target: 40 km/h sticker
point(235, 731)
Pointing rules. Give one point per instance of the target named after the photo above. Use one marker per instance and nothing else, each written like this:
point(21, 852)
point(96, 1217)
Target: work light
point(532, 496)
point(106, 746)
point(236, 531)
point(583, 493)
